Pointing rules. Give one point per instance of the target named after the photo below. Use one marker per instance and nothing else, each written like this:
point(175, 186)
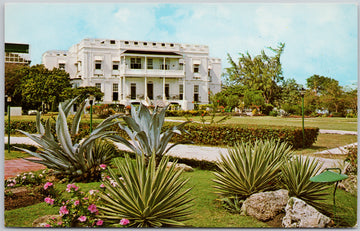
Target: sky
point(320, 38)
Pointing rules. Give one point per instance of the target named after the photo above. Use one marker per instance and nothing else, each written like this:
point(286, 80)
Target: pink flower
point(92, 191)
point(63, 210)
point(47, 225)
point(103, 166)
point(70, 186)
point(102, 186)
point(82, 218)
point(99, 222)
point(59, 223)
point(92, 208)
point(49, 200)
point(76, 202)
point(47, 185)
point(85, 198)
point(124, 221)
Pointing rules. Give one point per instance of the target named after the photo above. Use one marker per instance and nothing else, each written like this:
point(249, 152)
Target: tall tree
point(263, 72)
point(290, 93)
point(42, 86)
point(317, 83)
point(13, 78)
point(83, 92)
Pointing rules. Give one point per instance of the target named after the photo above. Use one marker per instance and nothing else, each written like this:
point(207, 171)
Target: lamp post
point(8, 112)
point(302, 93)
point(91, 99)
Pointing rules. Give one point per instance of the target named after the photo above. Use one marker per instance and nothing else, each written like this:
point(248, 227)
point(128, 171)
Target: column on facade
point(164, 96)
point(124, 87)
point(145, 80)
point(120, 88)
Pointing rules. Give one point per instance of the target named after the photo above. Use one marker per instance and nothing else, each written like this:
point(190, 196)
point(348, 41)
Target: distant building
point(17, 53)
point(128, 72)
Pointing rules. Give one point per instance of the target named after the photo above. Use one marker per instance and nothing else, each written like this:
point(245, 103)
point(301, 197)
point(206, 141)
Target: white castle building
point(128, 72)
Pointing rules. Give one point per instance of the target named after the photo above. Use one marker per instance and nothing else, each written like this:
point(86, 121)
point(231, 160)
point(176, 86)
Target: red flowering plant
point(79, 211)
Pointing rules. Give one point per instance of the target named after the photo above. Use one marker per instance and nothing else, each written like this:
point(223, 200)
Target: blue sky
point(320, 38)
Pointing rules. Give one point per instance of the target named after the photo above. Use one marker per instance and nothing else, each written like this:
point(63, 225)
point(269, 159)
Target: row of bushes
point(216, 134)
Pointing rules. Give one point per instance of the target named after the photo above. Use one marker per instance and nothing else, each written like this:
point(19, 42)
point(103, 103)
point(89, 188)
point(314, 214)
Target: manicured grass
point(207, 210)
point(328, 141)
point(24, 217)
point(328, 123)
point(15, 154)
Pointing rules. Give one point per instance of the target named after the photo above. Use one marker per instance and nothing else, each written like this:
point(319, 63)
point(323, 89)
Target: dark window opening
point(126, 42)
point(115, 96)
point(150, 91)
point(196, 68)
point(135, 63)
point(167, 91)
point(112, 41)
point(115, 66)
point(133, 90)
point(97, 66)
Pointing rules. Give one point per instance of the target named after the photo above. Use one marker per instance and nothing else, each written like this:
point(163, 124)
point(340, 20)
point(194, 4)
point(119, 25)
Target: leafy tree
point(13, 78)
point(254, 99)
point(332, 96)
point(350, 98)
point(262, 72)
point(82, 92)
point(290, 93)
point(42, 86)
point(318, 83)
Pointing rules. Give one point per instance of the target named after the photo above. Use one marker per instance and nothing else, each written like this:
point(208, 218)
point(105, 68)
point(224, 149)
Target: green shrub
point(251, 168)
point(148, 196)
point(218, 134)
point(352, 157)
point(273, 113)
point(230, 134)
point(295, 177)
point(337, 114)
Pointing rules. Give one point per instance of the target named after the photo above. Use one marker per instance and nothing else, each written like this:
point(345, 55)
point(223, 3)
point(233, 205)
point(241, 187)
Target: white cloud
point(320, 38)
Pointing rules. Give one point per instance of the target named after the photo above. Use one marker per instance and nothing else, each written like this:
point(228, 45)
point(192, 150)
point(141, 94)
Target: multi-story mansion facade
point(131, 71)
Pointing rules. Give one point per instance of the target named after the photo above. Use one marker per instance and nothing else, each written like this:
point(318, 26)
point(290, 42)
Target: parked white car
point(32, 112)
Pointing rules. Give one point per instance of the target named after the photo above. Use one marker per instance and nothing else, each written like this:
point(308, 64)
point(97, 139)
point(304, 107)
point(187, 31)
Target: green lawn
point(207, 210)
point(328, 123)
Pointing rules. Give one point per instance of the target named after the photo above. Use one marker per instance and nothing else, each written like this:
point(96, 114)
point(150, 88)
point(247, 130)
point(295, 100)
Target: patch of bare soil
point(22, 196)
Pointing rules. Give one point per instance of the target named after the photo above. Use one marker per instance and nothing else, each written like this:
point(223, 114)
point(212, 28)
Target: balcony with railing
point(171, 73)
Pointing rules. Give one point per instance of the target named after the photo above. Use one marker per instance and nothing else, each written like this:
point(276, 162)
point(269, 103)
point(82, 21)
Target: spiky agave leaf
point(149, 195)
point(144, 130)
point(250, 168)
point(74, 160)
point(295, 177)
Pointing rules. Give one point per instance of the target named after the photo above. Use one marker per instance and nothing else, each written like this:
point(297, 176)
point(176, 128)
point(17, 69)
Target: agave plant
point(250, 168)
point(144, 130)
point(76, 161)
point(295, 177)
point(147, 195)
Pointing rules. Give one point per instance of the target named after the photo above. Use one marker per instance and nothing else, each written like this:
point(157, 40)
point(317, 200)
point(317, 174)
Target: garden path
point(14, 167)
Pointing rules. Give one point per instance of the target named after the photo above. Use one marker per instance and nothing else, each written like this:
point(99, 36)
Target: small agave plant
point(78, 161)
point(144, 130)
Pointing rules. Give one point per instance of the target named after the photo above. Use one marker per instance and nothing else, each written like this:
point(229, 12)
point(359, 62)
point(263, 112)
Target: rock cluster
point(301, 215)
point(178, 167)
point(265, 206)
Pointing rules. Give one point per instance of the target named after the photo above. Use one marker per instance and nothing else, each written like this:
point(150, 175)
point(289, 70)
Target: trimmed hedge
point(230, 134)
point(215, 134)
